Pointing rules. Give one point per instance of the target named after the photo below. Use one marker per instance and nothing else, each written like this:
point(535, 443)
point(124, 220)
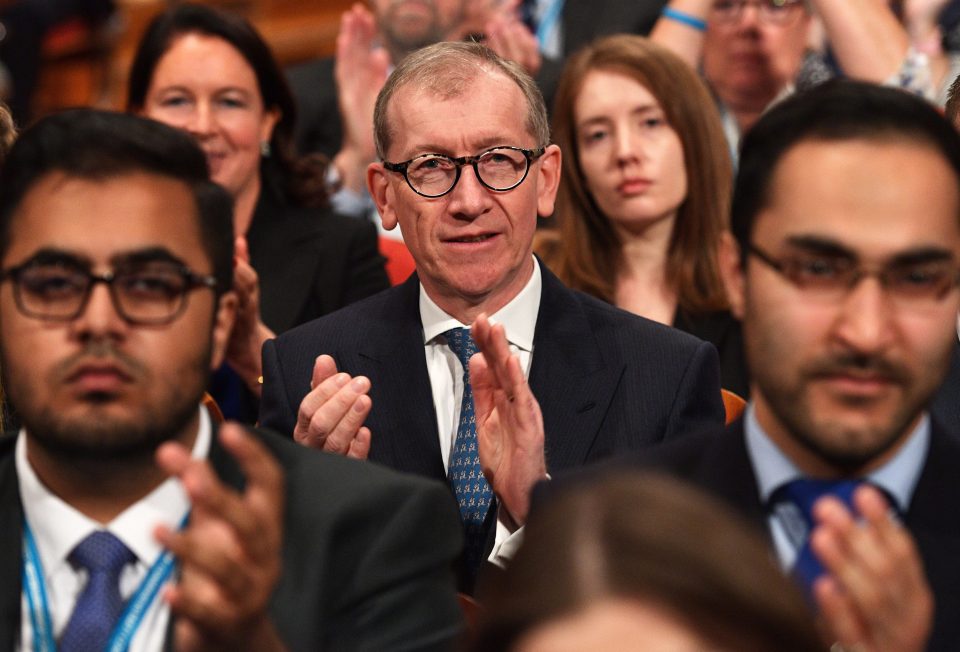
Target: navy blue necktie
point(470, 487)
point(99, 606)
point(802, 494)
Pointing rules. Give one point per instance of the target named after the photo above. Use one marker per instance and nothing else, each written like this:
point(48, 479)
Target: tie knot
point(804, 492)
point(101, 552)
point(461, 343)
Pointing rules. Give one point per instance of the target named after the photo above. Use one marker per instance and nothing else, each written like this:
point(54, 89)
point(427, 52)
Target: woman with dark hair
point(645, 191)
point(646, 563)
point(209, 72)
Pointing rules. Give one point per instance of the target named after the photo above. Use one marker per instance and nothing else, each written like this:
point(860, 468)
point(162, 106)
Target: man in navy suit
point(846, 215)
point(466, 167)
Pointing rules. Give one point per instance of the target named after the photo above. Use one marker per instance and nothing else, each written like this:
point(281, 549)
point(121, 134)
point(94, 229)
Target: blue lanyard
point(549, 20)
point(130, 619)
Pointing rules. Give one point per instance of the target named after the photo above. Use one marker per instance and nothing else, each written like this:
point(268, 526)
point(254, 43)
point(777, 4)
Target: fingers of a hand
point(323, 367)
point(838, 614)
point(493, 345)
point(360, 446)
point(263, 494)
point(315, 400)
point(173, 458)
point(256, 515)
point(200, 603)
point(241, 249)
point(875, 565)
point(340, 439)
point(339, 417)
point(848, 551)
point(222, 561)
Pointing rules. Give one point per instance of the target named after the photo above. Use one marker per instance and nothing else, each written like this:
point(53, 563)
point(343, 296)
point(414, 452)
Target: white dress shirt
point(58, 528)
point(519, 319)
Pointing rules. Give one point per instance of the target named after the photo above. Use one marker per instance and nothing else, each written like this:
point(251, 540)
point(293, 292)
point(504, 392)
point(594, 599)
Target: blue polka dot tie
point(470, 487)
point(796, 499)
point(99, 606)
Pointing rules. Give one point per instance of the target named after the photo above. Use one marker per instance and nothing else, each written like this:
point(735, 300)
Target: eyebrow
point(640, 109)
point(484, 145)
point(834, 249)
point(147, 255)
point(55, 256)
point(180, 88)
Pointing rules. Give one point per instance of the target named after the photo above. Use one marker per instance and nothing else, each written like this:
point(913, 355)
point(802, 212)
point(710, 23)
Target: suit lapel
point(726, 471)
point(11, 550)
point(937, 489)
point(568, 376)
point(403, 419)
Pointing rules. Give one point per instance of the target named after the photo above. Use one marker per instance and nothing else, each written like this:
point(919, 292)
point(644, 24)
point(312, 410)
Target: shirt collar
point(898, 477)
point(58, 527)
point(519, 316)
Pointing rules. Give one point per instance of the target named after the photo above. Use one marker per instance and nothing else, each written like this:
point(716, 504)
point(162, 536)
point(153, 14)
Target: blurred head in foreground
point(643, 562)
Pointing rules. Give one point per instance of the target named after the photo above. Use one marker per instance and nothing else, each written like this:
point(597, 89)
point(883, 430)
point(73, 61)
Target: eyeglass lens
point(771, 11)
point(152, 292)
point(912, 283)
point(498, 169)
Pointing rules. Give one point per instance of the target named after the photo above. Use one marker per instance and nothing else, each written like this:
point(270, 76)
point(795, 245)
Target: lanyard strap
point(130, 619)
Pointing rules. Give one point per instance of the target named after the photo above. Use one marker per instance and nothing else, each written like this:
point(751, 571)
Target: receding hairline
point(447, 71)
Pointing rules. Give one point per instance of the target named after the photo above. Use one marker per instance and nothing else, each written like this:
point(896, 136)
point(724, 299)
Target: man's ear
point(548, 180)
point(382, 193)
point(222, 327)
point(731, 271)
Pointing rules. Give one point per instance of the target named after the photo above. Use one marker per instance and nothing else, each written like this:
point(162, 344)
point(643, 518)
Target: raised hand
point(331, 415)
point(360, 72)
point(230, 551)
point(874, 597)
point(509, 423)
point(512, 40)
point(249, 332)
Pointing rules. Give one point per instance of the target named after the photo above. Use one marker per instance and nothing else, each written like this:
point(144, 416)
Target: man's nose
point(866, 317)
point(100, 317)
point(469, 198)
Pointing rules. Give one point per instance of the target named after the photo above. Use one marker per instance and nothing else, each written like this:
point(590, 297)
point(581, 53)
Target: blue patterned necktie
point(99, 606)
point(471, 489)
point(796, 499)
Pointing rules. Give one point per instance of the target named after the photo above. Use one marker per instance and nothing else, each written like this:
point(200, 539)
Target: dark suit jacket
point(946, 403)
point(367, 553)
point(310, 261)
point(719, 463)
point(607, 381)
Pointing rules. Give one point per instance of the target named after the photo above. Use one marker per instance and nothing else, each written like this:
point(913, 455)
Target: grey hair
point(446, 70)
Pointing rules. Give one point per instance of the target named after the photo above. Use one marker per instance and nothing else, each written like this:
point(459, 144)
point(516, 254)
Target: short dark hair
point(96, 145)
point(303, 176)
point(840, 110)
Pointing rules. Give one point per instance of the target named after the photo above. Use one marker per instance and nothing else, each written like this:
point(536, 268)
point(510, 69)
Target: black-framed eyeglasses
point(831, 278)
point(773, 12)
point(434, 175)
point(144, 293)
